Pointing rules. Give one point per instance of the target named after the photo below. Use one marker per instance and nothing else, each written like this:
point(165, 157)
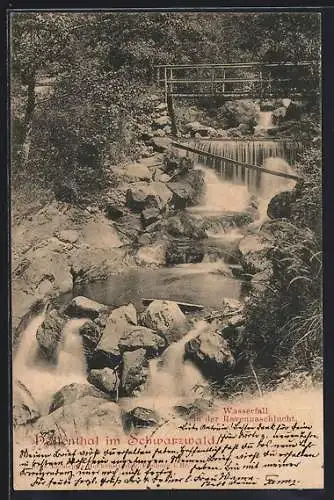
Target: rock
point(150, 215)
point(106, 380)
point(25, 408)
point(140, 418)
point(233, 113)
point(160, 132)
point(130, 226)
point(137, 337)
point(161, 107)
point(134, 372)
point(113, 211)
point(73, 392)
point(164, 193)
point(141, 196)
point(201, 130)
point(181, 163)
point(281, 205)
point(152, 255)
point(68, 236)
point(232, 306)
point(90, 333)
point(184, 224)
point(279, 115)
point(161, 144)
point(193, 410)
point(253, 250)
point(132, 172)
point(86, 415)
point(211, 353)
point(161, 122)
point(166, 317)
point(107, 352)
point(82, 307)
point(49, 334)
point(184, 252)
point(160, 176)
point(188, 188)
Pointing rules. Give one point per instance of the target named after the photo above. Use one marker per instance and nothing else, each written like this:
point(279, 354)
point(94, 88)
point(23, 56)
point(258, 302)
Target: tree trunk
point(28, 116)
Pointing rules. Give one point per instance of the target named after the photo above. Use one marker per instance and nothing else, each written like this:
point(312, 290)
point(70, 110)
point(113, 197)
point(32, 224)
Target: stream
point(207, 283)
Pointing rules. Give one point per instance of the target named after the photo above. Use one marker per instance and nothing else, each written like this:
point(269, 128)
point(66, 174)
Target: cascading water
point(39, 376)
point(171, 379)
point(265, 121)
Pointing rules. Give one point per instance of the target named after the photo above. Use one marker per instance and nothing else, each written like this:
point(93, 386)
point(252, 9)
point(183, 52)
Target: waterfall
point(172, 379)
point(42, 378)
point(219, 196)
point(254, 152)
point(265, 121)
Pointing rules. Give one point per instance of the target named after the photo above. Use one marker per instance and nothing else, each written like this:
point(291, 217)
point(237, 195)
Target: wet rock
point(184, 252)
point(143, 195)
point(161, 144)
point(82, 307)
point(88, 414)
point(90, 332)
point(233, 113)
point(253, 250)
point(49, 334)
point(211, 353)
point(183, 224)
point(134, 371)
point(140, 418)
point(25, 408)
point(177, 164)
point(107, 352)
point(166, 317)
point(73, 392)
point(188, 189)
point(152, 255)
point(137, 337)
point(106, 380)
point(281, 205)
point(68, 236)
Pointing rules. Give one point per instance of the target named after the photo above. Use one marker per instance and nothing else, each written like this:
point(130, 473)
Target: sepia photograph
point(166, 249)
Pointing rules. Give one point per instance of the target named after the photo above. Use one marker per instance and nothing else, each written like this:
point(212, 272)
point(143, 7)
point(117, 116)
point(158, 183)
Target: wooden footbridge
point(238, 80)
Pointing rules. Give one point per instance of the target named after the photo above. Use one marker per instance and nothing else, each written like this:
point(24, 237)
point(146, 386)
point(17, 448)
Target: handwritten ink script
point(201, 453)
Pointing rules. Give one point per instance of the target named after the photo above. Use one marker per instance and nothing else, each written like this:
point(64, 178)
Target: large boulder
point(107, 352)
point(253, 250)
point(106, 380)
point(25, 408)
point(166, 317)
point(211, 353)
point(279, 115)
point(144, 195)
point(140, 418)
point(188, 189)
point(233, 113)
point(150, 215)
point(90, 333)
point(184, 224)
point(49, 334)
point(137, 337)
point(134, 371)
point(198, 128)
point(73, 392)
point(130, 226)
point(281, 205)
point(82, 307)
point(180, 163)
point(86, 415)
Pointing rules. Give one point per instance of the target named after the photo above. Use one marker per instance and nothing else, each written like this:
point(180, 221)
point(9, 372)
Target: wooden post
point(158, 76)
point(224, 76)
point(212, 81)
point(170, 106)
point(171, 79)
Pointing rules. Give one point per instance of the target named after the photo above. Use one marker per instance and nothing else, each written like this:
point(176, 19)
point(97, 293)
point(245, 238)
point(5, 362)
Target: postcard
point(166, 250)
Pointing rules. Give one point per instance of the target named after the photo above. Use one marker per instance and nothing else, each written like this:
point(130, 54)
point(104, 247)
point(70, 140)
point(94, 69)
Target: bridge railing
point(236, 79)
